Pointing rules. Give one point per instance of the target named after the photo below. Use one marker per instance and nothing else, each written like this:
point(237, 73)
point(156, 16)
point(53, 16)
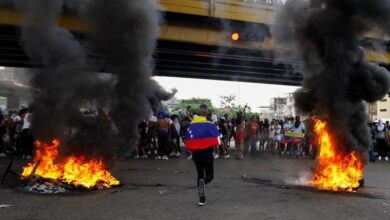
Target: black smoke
point(61, 62)
point(126, 33)
point(337, 76)
point(160, 94)
point(60, 75)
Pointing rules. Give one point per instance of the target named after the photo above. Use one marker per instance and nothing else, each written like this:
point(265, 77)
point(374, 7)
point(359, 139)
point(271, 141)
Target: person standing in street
point(200, 139)
point(27, 140)
point(163, 126)
point(252, 131)
point(380, 136)
point(175, 137)
point(240, 136)
point(151, 138)
point(373, 144)
point(189, 116)
point(224, 130)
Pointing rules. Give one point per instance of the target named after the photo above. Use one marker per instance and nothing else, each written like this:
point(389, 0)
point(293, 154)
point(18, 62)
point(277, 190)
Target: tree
point(194, 103)
point(246, 108)
point(228, 101)
point(229, 106)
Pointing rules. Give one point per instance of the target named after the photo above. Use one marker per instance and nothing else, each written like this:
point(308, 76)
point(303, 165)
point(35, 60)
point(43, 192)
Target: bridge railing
point(259, 11)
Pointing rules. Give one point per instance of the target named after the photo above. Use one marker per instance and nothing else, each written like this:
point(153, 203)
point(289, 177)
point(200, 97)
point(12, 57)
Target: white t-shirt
point(27, 121)
point(278, 131)
point(299, 129)
point(271, 131)
point(288, 126)
point(214, 119)
point(176, 123)
point(153, 118)
point(16, 118)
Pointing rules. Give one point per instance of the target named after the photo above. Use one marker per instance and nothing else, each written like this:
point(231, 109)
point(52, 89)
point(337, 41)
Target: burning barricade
point(338, 79)
point(335, 169)
point(48, 173)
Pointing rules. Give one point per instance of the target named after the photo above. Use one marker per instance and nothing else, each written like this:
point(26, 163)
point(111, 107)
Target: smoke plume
point(62, 82)
point(127, 31)
point(159, 94)
point(337, 77)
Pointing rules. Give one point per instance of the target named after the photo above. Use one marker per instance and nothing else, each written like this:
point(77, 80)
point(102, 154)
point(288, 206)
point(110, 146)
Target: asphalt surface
point(264, 187)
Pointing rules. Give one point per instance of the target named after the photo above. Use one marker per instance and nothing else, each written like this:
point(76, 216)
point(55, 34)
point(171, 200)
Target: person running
point(200, 139)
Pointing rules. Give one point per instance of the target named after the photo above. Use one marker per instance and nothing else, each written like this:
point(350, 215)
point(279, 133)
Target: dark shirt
point(223, 127)
point(142, 129)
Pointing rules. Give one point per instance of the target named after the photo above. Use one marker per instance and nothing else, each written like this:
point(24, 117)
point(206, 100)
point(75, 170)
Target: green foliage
point(194, 103)
point(228, 106)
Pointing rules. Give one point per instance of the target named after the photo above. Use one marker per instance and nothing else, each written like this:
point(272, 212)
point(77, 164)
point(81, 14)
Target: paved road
point(256, 188)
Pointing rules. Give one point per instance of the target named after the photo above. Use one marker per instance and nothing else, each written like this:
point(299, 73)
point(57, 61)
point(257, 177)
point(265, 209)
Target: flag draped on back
point(201, 134)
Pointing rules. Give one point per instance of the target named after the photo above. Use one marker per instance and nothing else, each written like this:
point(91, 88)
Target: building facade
point(383, 109)
point(14, 91)
point(282, 107)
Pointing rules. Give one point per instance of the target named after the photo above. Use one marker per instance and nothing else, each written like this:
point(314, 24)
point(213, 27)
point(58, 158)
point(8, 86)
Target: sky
point(254, 94)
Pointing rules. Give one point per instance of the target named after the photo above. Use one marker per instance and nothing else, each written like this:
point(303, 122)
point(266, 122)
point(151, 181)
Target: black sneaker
point(202, 201)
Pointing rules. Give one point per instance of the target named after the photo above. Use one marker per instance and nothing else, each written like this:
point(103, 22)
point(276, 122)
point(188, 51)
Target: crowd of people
point(162, 134)
point(15, 133)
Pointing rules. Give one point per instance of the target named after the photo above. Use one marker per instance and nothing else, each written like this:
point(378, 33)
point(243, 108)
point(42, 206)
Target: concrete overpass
point(195, 41)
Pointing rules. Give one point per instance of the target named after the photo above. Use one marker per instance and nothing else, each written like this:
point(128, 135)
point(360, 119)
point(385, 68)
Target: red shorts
point(240, 136)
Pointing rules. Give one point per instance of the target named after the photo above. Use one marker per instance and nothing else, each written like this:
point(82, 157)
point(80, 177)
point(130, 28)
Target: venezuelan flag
point(201, 135)
point(293, 138)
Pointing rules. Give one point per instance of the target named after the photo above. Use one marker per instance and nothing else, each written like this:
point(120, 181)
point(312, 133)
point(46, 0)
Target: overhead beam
point(258, 12)
point(182, 32)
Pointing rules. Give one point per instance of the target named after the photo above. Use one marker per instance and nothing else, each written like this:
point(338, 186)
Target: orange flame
point(335, 170)
point(74, 170)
